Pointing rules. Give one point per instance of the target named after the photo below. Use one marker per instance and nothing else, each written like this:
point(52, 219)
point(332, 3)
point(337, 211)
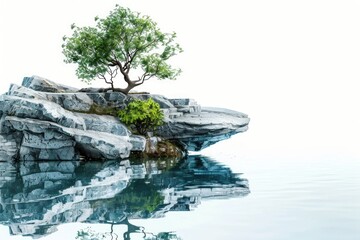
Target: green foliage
point(89, 234)
point(137, 197)
point(140, 197)
point(142, 116)
point(122, 41)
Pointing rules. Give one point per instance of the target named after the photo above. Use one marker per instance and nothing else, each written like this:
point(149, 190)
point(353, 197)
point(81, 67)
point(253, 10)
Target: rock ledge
point(43, 120)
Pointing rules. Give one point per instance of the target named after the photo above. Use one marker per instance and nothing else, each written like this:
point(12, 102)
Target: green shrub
point(142, 116)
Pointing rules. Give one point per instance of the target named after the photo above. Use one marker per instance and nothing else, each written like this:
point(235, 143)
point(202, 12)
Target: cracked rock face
point(38, 121)
point(50, 141)
point(198, 130)
point(43, 120)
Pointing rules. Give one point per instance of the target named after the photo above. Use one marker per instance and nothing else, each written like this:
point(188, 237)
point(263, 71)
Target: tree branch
point(112, 73)
point(132, 59)
point(123, 72)
point(143, 78)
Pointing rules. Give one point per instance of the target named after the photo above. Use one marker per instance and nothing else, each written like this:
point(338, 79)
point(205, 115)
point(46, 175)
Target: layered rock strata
point(43, 120)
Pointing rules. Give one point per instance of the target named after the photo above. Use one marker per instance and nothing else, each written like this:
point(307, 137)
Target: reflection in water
point(88, 233)
point(35, 197)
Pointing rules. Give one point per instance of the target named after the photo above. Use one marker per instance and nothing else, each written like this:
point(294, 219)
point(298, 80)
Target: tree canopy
point(121, 42)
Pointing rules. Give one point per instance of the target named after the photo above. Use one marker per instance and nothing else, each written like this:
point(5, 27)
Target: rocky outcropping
point(195, 127)
point(197, 130)
point(43, 120)
point(38, 125)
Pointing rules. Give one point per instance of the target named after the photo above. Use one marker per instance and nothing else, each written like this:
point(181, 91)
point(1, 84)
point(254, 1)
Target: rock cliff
point(43, 120)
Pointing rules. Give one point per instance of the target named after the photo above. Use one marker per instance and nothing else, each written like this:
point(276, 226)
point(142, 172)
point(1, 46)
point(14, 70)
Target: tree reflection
point(164, 236)
point(36, 197)
point(89, 234)
point(139, 197)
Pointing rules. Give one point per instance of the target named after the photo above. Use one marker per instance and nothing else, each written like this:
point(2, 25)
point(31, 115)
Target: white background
point(293, 66)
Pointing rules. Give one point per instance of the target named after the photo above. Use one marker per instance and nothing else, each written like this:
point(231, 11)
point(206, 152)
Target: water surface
point(38, 197)
point(280, 196)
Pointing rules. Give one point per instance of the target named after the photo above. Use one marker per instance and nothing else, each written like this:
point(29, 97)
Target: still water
point(220, 196)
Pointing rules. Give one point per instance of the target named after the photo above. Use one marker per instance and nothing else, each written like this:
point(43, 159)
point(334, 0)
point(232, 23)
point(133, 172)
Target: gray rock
point(46, 128)
point(138, 142)
point(196, 131)
point(98, 145)
point(103, 123)
point(43, 120)
point(64, 153)
point(7, 173)
point(161, 100)
point(45, 85)
point(8, 147)
point(98, 99)
point(69, 101)
point(186, 105)
point(48, 184)
point(90, 143)
point(44, 141)
point(24, 92)
point(28, 167)
point(116, 97)
point(72, 101)
point(39, 109)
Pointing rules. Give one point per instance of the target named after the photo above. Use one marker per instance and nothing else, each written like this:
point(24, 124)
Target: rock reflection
point(35, 197)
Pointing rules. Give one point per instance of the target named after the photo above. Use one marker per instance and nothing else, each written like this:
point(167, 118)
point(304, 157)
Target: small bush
point(142, 116)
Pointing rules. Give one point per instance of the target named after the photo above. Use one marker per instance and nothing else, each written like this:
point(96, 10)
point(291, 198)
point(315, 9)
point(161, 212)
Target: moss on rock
point(157, 147)
point(101, 110)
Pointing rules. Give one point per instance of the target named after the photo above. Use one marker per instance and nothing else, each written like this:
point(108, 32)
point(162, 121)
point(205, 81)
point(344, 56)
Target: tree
point(142, 116)
point(121, 42)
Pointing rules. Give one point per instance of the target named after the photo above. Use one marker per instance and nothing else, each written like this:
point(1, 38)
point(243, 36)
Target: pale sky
point(293, 66)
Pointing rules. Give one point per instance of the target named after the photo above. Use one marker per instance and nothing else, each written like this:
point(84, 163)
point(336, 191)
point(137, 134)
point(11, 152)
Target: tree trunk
point(128, 88)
